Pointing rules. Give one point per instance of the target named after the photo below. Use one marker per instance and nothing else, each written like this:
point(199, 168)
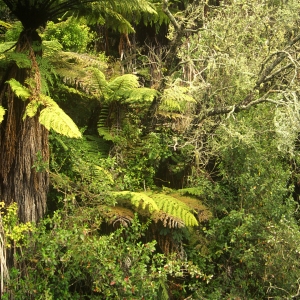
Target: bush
point(72, 35)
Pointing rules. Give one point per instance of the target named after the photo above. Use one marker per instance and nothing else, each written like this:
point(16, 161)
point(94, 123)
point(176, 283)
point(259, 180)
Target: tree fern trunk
point(22, 142)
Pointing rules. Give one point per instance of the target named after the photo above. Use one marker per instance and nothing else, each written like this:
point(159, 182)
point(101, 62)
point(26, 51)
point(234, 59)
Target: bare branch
point(281, 55)
point(241, 107)
point(169, 14)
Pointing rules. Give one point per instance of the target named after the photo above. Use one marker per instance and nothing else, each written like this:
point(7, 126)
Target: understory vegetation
point(150, 150)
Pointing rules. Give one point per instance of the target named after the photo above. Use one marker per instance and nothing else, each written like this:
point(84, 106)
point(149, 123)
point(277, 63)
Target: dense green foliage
point(184, 180)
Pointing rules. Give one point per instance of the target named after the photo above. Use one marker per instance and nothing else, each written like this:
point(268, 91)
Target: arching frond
point(141, 95)
point(118, 215)
point(99, 173)
point(176, 208)
point(5, 24)
point(172, 212)
point(121, 86)
point(20, 90)
point(53, 117)
point(102, 127)
point(98, 81)
point(137, 199)
point(5, 46)
point(81, 71)
point(203, 213)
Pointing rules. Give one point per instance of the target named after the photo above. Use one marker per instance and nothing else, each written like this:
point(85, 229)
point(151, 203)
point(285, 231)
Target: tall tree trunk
point(23, 142)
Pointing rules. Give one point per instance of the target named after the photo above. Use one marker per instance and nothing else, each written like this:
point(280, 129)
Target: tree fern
point(203, 213)
point(99, 172)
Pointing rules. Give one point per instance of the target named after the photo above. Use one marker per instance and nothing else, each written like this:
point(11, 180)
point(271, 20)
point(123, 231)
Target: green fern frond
point(163, 290)
point(203, 213)
point(174, 207)
point(99, 82)
point(142, 95)
point(118, 15)
point(171, 211)
point(48, 74)
point(119, 22)
point(5, 46)
point(75, 69)
point(20, 90)
point(93, 147)
point(53, 117)
point(100, 172)
point(193, 191)
point(2, 113)
point(167, 219)
point(138, 200)
point(102, 127)
point(176, 99)
point(21, 59)
point(51, 47)
point(5, 24)
point(118, 214)
point(121, 87)
point(105, 133)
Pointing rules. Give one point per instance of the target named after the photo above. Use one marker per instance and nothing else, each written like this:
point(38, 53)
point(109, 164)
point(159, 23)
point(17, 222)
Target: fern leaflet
point(2, 113)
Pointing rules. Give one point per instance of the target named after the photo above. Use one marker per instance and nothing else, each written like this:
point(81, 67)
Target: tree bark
point(23, 142)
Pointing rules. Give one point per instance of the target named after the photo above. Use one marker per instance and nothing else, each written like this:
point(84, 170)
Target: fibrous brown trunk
point(23, 143)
